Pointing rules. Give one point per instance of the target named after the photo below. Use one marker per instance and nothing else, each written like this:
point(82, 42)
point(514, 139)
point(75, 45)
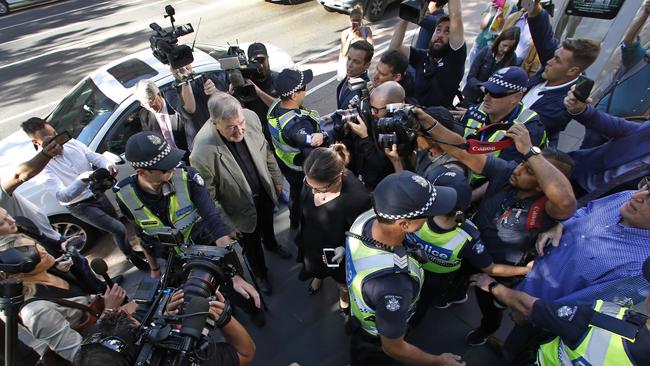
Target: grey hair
point(145, 90)
point(223, 106)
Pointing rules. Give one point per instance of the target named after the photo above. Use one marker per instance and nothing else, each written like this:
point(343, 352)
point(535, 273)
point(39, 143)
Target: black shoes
point(281, 251)
point(476, 337)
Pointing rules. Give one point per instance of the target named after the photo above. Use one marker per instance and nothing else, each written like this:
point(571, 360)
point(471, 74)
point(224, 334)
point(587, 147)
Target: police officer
point(605, 334)
point(502, 103)
point(162, 195)
point(295, 131)
point(383, 279)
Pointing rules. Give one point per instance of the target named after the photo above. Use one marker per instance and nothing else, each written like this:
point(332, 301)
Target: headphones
point(19, 259)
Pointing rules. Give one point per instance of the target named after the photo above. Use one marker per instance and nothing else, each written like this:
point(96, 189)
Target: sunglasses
point(113, 343)
point(498, 95)
point(644, 185)
point(324, 189)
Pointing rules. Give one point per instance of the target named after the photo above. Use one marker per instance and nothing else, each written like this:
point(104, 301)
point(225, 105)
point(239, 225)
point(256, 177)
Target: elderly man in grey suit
point(242, 175)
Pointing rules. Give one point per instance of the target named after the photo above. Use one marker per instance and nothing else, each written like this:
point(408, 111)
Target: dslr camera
point(359, 106)
point(239, 68)
point(399, 127)
point(100, 180)
point(164, 44)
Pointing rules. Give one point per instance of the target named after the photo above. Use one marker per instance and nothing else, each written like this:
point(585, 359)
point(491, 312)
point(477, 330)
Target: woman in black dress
point(332, 198)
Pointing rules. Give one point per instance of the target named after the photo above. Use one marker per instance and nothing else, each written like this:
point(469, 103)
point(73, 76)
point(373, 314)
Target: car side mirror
point(115, 159)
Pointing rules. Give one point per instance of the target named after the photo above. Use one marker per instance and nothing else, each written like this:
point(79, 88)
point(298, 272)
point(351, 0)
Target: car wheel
point(68, 225)
point(4, 8)
point(375, 9)
point(329, 9)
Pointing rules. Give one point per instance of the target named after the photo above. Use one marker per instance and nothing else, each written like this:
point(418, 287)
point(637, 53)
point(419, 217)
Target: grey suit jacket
point(224, 178)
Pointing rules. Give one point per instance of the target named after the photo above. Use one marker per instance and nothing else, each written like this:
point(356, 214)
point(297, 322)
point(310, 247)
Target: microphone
point(100, 267)
point(192, 326)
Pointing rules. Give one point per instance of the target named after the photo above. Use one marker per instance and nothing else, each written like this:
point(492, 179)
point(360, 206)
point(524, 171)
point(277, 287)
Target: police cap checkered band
point(297, 87)
point(145, 164)
point(406, 195)
point(505, 84)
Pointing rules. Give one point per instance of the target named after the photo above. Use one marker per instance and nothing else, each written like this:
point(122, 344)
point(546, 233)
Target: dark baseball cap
point(290, 81)
point(507, 79)
point(406, 195)
point(257, 49)
point(447, 177)
point(149, 150)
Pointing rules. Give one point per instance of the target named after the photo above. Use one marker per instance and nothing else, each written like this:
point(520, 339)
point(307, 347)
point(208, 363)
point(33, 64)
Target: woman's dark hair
point(508, 34)
point(116, 324)
point(324, 164)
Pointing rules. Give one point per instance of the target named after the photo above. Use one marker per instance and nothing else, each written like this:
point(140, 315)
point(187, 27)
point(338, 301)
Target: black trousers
point(365, 350)
point(295, 179)
point(491, 320)
point(252, 242)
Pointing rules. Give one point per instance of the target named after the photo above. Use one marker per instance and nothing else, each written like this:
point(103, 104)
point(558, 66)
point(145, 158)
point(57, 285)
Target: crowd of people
point(408, 195)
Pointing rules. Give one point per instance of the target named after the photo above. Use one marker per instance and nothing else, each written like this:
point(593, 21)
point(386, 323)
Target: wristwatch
point(492, 285)
point(534, 150)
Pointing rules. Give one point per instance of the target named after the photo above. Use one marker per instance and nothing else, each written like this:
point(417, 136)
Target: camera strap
point(473, 146)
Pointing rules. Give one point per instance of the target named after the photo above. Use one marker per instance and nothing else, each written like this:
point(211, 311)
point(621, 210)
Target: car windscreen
point(82, 112)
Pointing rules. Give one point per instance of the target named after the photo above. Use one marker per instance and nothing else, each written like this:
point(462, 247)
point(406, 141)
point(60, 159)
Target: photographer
point(295, 132)
point(265, 90)
point(66, 177)
point(367, 159)
point(53, 326)
point(440, 68)
point(521, 201)
point(159, 198)
point(112, 340)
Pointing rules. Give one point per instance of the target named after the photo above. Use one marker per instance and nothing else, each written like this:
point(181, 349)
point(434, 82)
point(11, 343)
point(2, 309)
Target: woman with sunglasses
point(357, 32)
point(50, 325)
point(332, 198)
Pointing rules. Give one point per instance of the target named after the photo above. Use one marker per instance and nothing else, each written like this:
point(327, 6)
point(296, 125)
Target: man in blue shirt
point(597, 253)
point(439, 69)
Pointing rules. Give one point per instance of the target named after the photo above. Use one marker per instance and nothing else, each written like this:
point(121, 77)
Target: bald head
point(389, 91)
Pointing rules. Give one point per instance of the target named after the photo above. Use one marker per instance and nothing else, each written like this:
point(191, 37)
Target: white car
point(102, 112)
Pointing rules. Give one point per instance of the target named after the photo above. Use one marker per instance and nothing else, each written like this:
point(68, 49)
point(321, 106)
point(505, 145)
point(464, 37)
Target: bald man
point(368, 160)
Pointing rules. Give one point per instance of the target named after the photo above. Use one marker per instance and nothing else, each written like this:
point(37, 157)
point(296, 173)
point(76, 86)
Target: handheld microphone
point(100, 267)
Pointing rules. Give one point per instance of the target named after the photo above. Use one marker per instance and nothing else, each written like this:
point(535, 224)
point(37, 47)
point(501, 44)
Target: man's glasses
point(324, 189)
point(644, 185)
point(112, 342)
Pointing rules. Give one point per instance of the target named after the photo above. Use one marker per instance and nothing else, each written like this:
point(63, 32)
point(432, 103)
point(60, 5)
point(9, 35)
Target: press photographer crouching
point(51, 316)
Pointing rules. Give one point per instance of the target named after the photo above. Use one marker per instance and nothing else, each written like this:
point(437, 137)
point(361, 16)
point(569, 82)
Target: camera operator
point(367, 159)
point(295, 132)
point(521, 201)
point(358, 61)
point(160, 197)
point(66, 177)
point(265, 90)
point(53, 326)
point(112, 340)
point(440, 68)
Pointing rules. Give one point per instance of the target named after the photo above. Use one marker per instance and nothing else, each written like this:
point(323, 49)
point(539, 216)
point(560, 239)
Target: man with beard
point(438, 70)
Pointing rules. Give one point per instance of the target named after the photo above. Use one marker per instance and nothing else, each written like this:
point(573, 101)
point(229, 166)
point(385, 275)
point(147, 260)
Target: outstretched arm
point(398, 37)
point(637, 24)
point(456, 30)
point(518, 301)
point(31, 168)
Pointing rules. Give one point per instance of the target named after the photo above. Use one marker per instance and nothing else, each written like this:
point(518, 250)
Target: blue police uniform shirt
point(501, 217)
point(570, 322)
point(296, 135)
point(436, 82)
point(390, 296)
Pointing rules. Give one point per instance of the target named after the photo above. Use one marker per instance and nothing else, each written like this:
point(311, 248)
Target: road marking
point(51, 16)
point(80, 23)
point(31, 111)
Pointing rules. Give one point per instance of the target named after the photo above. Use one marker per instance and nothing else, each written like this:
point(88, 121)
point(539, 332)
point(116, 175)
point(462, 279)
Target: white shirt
point(165, 123)
point(60, 175)
point(18, 205)
point(535, 92)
